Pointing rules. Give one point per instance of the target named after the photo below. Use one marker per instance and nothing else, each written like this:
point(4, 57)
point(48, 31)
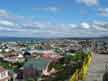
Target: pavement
point(97, 68)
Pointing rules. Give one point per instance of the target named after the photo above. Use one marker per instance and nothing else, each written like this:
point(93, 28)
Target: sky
point(53, 18)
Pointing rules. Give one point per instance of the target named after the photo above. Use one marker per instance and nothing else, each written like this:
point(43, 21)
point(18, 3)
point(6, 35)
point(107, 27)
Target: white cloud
point(85, 25)
point(103, 11)
point(3, 12)
point(100, 22)
point(23, 26)
point(57, 30)
point(89, 2)
point(100, 26)
point(73, 25)
point(7, 23)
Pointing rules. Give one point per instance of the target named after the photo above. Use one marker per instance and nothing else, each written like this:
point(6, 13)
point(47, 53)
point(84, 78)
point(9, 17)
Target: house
point(0, 50)
point(4, 74)
point(26, 54)
point(34, 67)
point(6, 50)
point(20, 58)
point(11, 59)
point(14, 58)
point(51, 57)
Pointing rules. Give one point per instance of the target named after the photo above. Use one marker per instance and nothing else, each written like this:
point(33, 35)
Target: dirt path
point(97, 68)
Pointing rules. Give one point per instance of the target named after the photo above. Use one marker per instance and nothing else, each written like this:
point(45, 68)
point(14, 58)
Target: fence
point(81, 74)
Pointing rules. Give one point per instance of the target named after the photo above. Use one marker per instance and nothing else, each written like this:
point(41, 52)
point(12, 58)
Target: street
point(97, 68)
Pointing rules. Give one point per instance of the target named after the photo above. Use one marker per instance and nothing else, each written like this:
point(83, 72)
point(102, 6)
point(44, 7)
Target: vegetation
point(66, 66)
point(11, 66)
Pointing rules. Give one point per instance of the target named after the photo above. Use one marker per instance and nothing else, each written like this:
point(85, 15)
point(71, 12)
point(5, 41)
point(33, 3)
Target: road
point(97, 68)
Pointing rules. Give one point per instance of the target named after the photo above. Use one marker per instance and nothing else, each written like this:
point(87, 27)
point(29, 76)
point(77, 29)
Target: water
point(22, 39)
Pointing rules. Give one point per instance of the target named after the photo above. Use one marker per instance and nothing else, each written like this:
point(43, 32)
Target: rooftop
point(2, 69)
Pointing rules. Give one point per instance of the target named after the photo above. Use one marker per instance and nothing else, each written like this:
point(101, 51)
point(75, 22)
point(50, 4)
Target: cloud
point(46, 29)
point(21, 26)
point(3, 12)
point(103, 11)
point(89, 2)
point(100, 26)
point(73, 25)
point(85, 25)
point(7, 23)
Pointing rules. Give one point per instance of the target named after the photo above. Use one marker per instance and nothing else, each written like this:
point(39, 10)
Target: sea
point(23, 39)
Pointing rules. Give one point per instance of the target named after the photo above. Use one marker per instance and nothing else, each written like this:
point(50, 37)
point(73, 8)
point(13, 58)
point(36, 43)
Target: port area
point(97, 68)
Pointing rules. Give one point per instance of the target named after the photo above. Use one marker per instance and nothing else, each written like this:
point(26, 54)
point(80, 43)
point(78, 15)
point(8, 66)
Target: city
point(53, 40)
point(53, 60)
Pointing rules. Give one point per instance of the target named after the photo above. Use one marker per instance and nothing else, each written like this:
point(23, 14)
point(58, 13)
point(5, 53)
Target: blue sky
point(54, 18)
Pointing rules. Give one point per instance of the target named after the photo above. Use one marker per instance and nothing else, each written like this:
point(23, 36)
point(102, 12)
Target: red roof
point(2, 69)
point(7, 78)
point(53, 57)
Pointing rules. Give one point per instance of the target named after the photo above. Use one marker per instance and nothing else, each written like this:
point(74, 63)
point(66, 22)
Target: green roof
point(39, 64)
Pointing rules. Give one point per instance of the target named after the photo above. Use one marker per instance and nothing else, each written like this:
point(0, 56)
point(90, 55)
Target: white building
point(4, 74)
